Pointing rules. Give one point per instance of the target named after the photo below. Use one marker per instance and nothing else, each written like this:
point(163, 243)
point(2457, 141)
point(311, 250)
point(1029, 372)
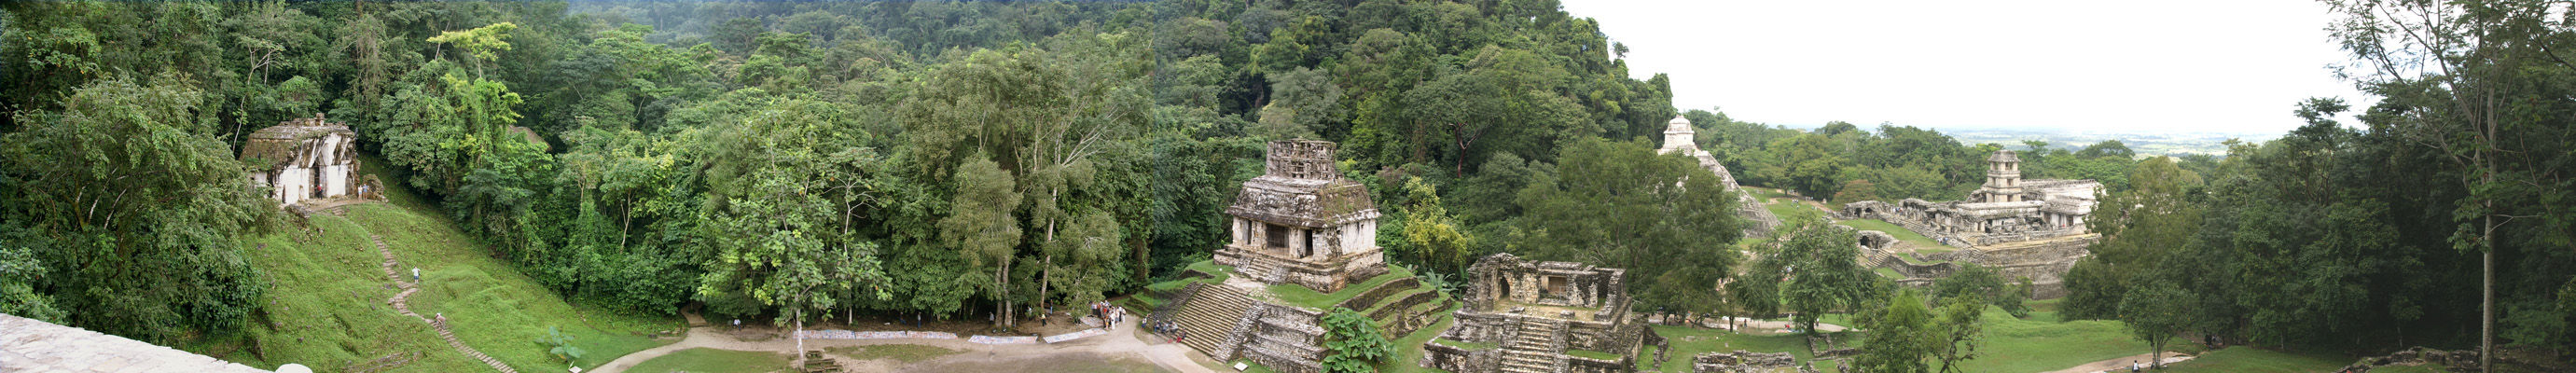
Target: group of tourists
point(1109, 314)
point(1171, 330)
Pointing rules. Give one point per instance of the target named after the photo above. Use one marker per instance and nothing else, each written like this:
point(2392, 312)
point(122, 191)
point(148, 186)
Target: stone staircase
point(1211, 316)
point(402, 303)
point(1532, 348)
point(1264, 269)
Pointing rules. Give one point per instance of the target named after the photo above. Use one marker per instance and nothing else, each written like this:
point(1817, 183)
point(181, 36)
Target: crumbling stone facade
point(2006, 209)
point(1759, 222)
point(1535, 313)
point(305, 158)
point(1302, 223)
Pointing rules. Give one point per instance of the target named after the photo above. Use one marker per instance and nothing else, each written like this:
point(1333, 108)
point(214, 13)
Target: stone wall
point(1579, 364)
point(1454, 359)
point(1399, 317)
point(2044, 263)
point(1741, 361)
point(1318, 274)
point(1286, 339)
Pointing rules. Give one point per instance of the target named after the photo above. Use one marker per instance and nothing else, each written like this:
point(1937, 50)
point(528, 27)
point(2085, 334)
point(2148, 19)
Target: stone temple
point(1303, 223)
point(2023, 228)
point(1299, 227)
point(304, 159)
point(1759, 222)
point(1531, 316)
point(2005, 209)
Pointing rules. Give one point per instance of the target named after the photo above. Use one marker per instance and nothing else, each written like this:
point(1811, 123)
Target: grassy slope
point(327, 308)
point(328, 298)
point(492, 306)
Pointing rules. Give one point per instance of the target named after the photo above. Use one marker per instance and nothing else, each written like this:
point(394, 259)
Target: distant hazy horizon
point(2179, 66)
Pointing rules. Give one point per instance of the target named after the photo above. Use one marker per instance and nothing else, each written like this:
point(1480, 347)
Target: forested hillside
point(913, 157)
point(971, 160)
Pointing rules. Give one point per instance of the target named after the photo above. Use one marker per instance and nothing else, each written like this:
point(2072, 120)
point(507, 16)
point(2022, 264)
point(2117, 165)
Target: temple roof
point(277, 143)
point(2003, 156)
point(1678, 125)
point(1301, 187)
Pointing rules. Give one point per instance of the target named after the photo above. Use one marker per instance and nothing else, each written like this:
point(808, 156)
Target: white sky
point(2177, 65)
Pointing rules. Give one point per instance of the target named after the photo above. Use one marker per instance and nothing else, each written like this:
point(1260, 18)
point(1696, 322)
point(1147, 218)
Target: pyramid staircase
point(1533, 348)
point(1264, 268)
point(1211, 316)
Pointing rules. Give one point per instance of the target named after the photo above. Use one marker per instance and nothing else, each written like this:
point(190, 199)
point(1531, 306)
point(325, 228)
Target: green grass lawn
point(1784, 209)
point(2015, 345)
point(2256, 360)
point(1889, 273)
point(708, 360)
point(1902, 234)
point(1210, 267)
point(1765, 193)
point(2044, 310)
point(1299, 295)
point(907, 353)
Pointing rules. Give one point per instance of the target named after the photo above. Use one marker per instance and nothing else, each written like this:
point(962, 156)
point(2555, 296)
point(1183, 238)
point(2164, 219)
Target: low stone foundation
point(1741, 361)
point(2462, 360)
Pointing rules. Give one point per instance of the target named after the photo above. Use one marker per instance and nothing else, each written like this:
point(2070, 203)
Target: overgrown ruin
point(1299, 225)
point(1759, 222)
point(2023, 228)
point(305, 159)
point(1533, 316)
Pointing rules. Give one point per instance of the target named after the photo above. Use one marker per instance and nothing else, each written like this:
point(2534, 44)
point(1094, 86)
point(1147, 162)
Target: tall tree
point(1621, 203)
point(1901, 338)
point(2154, 313)
point(2453, 75)
point(139, 211)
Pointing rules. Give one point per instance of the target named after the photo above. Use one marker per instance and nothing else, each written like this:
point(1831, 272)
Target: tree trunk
point(1001, 296)
point(800, 339)
point(1046, 273)
point(2486, 322)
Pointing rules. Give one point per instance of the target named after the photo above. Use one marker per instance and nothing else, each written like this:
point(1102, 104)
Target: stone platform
point(28, 345)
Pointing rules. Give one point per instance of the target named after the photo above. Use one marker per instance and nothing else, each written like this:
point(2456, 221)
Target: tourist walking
point(415, 274)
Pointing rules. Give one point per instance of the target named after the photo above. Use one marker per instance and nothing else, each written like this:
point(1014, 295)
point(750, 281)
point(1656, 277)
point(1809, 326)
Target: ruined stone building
point(1532, 316)
point(1300, 224)
point(1759, 222)
point(2006, 209)
point(2023, 228)
point(304, 158)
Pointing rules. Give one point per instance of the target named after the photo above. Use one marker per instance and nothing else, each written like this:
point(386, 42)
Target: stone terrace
point(28, 345)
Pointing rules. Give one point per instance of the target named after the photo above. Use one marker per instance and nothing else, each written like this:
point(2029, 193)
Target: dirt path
point(402, 303)
point(2122, 364)
point(1123, 341)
